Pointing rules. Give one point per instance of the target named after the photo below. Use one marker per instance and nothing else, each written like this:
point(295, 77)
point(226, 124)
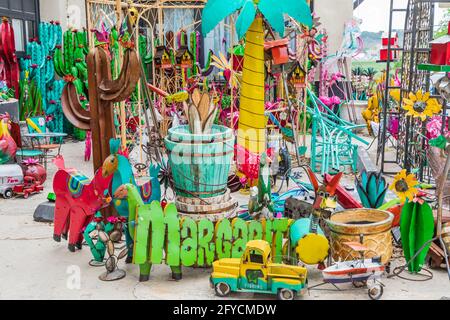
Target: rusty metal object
point(370, 227)
point(103, 93)
point(446, 235)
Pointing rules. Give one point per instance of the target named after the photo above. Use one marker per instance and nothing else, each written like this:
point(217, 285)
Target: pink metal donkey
point(77, 200)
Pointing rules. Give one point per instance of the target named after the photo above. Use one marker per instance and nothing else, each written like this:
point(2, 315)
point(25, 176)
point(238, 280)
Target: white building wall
point(333, 15)
point(71, 13)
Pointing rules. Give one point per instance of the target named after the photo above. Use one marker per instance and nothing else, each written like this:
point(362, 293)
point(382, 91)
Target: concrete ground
point(33, 266)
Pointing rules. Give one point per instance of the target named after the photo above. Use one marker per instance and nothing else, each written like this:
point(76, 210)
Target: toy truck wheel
point(222, 289)
point(8, 194)
point(375, 292)
point(285, 294)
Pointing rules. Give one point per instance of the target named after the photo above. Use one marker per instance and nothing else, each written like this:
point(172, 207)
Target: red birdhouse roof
point(275, 43)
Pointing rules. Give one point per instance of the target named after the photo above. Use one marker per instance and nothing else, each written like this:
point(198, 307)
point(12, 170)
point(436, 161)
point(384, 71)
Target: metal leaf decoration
point(110, 246)
point(103, 236)
point(111, 264)
point(122, 254)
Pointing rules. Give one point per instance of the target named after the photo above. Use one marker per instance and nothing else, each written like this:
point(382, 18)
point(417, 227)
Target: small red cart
point(29, 187)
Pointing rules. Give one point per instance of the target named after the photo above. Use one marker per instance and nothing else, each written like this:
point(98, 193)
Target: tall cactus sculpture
point(38, 70)
point(70, 61)
point(73, 60)
point(9, 66)
point(103, 93)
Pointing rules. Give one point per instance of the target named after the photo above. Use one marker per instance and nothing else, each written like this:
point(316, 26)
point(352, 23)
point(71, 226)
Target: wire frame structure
point(410, 142)
point(160, 22)
point(418, 34)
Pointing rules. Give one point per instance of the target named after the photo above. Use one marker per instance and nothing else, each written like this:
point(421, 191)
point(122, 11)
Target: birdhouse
point(184, 58)
point(297, 77)
point(393, 40)
point(440, 49)
point(238, 57)
point(394, 53)
point(278, 50)
point(162, 58)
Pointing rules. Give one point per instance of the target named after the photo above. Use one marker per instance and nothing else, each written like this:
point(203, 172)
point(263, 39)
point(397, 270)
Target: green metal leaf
point(217, 10)
point(245, 19)
point(297, 9)
point(274, 15)
point(440, 142)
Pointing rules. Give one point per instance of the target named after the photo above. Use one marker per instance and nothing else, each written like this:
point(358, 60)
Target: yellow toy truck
point(255, 272)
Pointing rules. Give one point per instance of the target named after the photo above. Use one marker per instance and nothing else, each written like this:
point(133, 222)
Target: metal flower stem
point(294, 129)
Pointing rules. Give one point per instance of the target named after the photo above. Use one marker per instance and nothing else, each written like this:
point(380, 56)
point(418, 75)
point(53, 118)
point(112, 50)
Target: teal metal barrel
point(200, 164)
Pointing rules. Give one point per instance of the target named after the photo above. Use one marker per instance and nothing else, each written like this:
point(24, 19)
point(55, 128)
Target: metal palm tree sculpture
point(252, 121)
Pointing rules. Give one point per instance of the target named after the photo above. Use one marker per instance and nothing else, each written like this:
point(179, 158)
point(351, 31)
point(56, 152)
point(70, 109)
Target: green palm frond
point(217, 10)
point(245, 19)
point(298, 10)
point(273, 14)
point(273, 10)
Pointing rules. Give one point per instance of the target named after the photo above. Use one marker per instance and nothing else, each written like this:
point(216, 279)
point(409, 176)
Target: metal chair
point(332, 139)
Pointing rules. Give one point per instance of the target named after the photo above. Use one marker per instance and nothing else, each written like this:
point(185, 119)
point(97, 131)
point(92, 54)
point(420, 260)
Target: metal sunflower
point(405, 186)
point(420, 105)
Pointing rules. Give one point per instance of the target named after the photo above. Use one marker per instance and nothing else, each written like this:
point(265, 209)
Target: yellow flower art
point(420, 105)
point(405, 185)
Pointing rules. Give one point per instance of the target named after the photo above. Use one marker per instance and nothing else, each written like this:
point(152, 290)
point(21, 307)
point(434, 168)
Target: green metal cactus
point(38, 73)
point(72, 61)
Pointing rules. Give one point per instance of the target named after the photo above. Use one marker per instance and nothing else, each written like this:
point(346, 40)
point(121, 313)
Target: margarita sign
point(164, 236)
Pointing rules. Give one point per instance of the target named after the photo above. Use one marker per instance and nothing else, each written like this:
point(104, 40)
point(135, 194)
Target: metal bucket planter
point(370, 227)
point(200, 163)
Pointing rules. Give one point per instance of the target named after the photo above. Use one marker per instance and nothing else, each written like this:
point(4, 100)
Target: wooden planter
point(200, 164)
point(371, 227)
point(213, 209)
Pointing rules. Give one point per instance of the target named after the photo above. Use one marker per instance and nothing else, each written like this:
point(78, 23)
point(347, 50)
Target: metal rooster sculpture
point(308, 236)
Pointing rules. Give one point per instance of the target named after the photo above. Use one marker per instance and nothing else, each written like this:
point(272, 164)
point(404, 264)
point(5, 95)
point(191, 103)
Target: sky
point(375, 15)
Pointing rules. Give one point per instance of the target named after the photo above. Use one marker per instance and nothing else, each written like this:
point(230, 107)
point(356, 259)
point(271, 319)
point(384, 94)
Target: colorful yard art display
point(190, 243)
point(8, 146)
point(252, 120)
point(103, 92)
point(176, 129)
point(8, 59)
point(78, 198)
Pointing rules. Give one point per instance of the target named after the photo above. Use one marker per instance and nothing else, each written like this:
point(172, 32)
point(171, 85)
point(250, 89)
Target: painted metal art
point(8, 146)
point(103, 93)
point(332, 146)
point(11, 175)
point(417, 229)
point(30, 186)
point(308, 239)
point(78, 198)
point(9, 63)
point(262, 205)
point(255, 272)
point(113, 272)
point(369, 227)
point(142, 214)
point(149, 191)
point(200, 163)
point(252, 120)
point(95, 243)
point(372, 188)
point(362, 273)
